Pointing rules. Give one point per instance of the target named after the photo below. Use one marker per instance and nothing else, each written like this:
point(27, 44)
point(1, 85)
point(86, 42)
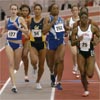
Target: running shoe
point(75, 68)
point(52, 84)
point(38, 86)
point(59, 86)
point(77, 74)
point(14, 90)
point(86, 93)
point(26, 79)
point(52, 80)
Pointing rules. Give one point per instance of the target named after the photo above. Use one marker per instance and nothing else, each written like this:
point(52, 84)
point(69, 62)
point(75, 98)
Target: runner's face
point(55, 10)
point(14, 10)
point(84, 18)
point(37, 11)
point(25, 11)
point(75, 11)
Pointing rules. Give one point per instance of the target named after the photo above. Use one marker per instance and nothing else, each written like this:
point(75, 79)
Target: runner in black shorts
point(38, 46)
point(83, 37)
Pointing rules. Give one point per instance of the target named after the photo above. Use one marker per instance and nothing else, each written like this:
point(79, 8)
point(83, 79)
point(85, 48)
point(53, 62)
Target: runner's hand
point(55, 19)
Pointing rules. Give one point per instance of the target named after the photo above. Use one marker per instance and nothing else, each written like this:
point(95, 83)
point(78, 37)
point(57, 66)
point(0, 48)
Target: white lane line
point(52, 94)
point(2, 89)
point(97, 70)
point(7, 82)
point(53, 91)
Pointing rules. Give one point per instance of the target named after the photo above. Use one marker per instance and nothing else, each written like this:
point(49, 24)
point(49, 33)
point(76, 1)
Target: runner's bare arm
point(67, 25)
point(75, 41)
point(25, 28)
point(94, 23)
point(47, 24)
point(29, 22)
point(96, 32)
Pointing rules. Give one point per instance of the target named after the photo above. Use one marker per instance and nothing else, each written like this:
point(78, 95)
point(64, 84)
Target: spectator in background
point(82, 3)
point(89, 2)
point(66, 5)
point(32, 7)
point(3, 14)
point(96, 2)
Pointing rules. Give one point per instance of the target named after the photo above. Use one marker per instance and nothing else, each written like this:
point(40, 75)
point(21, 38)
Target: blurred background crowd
point(63, 4)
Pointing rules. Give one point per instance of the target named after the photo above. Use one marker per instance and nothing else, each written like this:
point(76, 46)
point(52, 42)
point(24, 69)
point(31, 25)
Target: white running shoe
point(26, 79)
point(14, 89)
point(38, 86)
point(77, 74)
point(74, 70)
point(86, 93)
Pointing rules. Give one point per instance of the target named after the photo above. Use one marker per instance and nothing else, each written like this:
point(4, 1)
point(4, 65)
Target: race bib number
point(36, 33)
point(12, 34)
point(59, 28)
point(85, 45)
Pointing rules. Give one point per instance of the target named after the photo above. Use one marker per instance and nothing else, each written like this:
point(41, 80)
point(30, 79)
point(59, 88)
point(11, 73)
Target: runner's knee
point(60, 60)
point(34, 62)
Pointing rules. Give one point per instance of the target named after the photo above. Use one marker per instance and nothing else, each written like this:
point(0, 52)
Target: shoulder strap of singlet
point(17, 19)
point(41, 20)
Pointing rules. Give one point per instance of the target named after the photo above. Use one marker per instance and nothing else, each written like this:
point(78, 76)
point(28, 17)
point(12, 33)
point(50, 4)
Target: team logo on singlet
point(12, 34)
point(59, 28)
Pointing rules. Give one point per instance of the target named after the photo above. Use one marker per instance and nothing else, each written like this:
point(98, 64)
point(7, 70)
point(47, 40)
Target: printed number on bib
point(85, 45)
point(12, 34)
point(59, 28)
point(36, 33)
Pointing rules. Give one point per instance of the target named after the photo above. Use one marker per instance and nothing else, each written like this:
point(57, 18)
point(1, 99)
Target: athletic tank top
point(85, 43)
point(13, 32)
point(57, 31)
point(36, 34)
point(71, 22)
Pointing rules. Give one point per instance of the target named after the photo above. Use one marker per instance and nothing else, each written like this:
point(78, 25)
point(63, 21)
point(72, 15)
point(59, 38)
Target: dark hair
point(81, 13)
point(84, 9)
point(50, 7)
point(25, 6)
point(37, 5)
point(14, 5)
